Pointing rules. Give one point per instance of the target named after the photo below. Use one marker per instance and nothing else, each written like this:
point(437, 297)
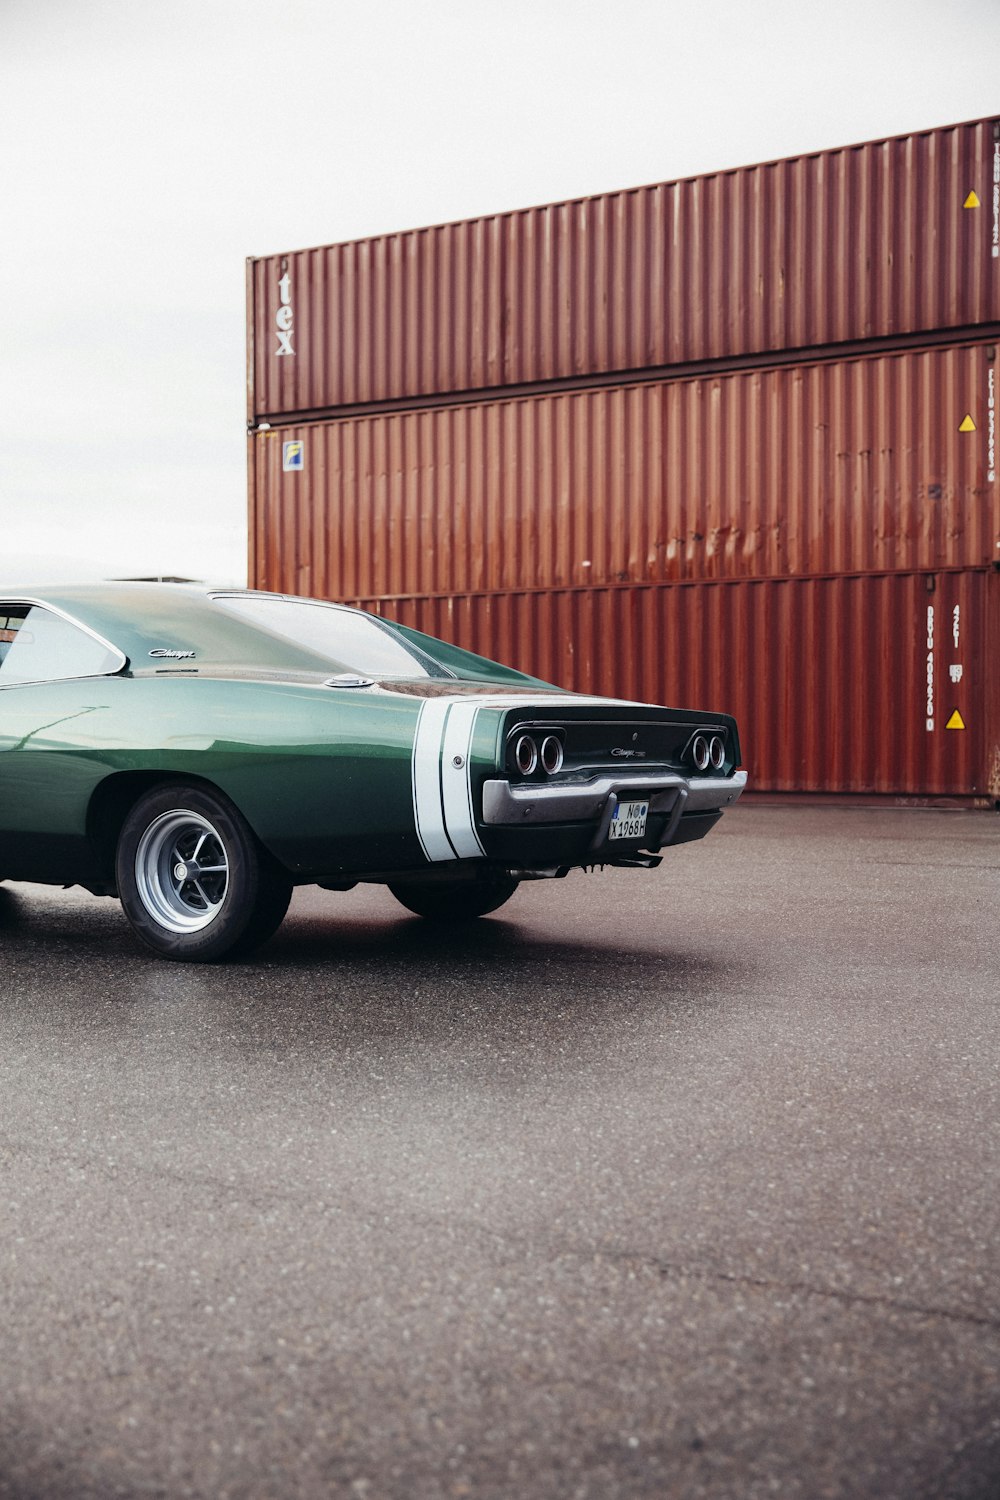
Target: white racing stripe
point(442, 790)
point(428, 811)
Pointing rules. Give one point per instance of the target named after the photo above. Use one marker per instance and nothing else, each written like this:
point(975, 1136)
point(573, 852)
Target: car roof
point(146, 619)
point(143, 596)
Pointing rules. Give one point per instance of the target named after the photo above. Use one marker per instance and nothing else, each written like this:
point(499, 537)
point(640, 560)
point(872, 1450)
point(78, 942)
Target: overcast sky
point(148, 146)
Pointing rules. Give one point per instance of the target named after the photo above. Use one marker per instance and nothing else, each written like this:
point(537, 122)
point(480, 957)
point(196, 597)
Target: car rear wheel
point(193, 881)
point(454, 900)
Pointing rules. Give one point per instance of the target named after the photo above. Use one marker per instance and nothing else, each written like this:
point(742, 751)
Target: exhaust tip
point(551, 754)
point(526, 754)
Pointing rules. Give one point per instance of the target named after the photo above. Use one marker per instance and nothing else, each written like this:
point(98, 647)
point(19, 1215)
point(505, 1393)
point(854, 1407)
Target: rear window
point(346, 639)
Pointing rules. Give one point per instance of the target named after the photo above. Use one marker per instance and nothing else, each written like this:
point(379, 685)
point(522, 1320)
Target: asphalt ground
point(673, 1184)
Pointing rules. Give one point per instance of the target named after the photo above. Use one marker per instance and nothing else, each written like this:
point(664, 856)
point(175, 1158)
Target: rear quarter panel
point(315, 771)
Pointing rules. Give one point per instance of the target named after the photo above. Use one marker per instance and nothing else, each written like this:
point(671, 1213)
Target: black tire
point(178, 904)
point(454, 900)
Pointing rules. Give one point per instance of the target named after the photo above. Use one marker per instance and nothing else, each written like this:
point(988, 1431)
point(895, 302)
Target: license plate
point(629, 821)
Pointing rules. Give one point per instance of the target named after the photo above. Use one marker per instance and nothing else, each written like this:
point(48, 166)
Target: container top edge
point(624, 192)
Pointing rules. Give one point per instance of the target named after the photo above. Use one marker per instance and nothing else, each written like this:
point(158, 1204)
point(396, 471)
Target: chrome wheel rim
point(182, 871)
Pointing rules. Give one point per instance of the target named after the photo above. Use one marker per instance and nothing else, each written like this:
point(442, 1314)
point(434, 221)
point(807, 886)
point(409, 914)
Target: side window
point(38, 646)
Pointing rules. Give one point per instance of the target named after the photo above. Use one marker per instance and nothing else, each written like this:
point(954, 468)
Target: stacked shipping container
point(728, 441)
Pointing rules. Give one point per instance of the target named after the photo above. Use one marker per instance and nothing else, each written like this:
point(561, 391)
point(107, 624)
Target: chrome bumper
point(505, 805)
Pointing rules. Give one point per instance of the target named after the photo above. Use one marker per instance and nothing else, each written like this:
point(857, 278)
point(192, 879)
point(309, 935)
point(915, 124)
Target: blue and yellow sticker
point(292, 457)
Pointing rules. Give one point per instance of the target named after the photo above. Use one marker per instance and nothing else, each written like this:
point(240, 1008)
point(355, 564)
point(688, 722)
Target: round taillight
point(551, 754)
point(717, 752)
point(700, 752)
point(526, 754)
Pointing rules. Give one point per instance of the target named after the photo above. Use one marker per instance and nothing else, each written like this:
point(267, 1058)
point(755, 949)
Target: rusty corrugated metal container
point(842, 685)
point(831, 466)
point(865, 242)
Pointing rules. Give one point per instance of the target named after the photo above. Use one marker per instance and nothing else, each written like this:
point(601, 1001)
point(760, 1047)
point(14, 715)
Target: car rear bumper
point(594, 801)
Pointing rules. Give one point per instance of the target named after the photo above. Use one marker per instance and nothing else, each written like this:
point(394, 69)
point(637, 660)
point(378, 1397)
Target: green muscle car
point(197, 753)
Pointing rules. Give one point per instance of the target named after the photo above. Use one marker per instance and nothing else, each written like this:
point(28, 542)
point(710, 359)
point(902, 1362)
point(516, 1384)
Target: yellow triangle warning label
point(972, 201)
point(967, 426)
point(956, 721)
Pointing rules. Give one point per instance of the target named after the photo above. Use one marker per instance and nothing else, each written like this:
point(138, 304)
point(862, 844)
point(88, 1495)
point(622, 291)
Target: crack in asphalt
point(804, 1288)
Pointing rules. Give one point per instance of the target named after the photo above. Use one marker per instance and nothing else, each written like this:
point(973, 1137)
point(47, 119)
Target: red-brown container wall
point(840, 685)
point(838, 466)
point(863, 242)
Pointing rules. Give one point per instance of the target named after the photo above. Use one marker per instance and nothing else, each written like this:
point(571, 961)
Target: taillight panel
point(538, 749)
